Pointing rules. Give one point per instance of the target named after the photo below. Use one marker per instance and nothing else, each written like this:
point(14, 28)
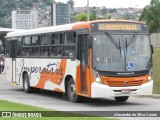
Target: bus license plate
point(126, 91)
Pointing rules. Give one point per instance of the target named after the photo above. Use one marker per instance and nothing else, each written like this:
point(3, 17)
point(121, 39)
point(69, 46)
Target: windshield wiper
point(120, 48)
point(112, 40)
point(131, 40)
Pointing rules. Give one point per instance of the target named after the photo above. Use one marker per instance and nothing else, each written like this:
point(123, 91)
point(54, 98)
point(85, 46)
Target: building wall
point(61, 13)
point(24, 19)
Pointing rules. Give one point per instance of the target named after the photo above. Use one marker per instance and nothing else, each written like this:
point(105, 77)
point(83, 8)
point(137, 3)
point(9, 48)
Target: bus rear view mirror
point(90, 41)
point(152, 49)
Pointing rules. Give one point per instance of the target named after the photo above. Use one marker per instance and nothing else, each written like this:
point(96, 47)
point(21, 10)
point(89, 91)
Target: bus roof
point(4, 31)
point(66, 27)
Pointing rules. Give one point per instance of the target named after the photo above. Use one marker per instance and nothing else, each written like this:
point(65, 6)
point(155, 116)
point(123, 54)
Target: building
point(24, 19)
point(62, 13)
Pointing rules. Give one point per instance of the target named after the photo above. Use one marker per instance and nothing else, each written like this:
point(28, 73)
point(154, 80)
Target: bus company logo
point(6, 114)
point(126, 83)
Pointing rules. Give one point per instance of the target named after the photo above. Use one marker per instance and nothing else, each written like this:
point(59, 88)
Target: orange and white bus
point(95, 59)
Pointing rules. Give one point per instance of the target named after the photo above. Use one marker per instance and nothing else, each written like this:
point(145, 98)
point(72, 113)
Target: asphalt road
point(52, 100)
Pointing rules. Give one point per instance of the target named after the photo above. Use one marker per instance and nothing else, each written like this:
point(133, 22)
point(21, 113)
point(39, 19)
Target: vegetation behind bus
point(156, 70)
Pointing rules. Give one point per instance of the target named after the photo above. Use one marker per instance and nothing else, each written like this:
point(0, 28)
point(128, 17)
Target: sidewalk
point(151, 96)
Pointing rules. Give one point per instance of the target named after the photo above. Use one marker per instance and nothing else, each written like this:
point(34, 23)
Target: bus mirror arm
point(90, 41)
point(152, 49)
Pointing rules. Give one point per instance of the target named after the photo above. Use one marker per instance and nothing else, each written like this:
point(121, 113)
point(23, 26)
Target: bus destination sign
point(117, 26)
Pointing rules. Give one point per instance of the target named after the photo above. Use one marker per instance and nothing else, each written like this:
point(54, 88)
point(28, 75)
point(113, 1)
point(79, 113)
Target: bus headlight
point(150, 75)
point(149, 78)
point(97, 77)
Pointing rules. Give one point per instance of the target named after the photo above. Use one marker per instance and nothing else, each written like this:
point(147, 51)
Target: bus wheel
point(121, 99)
point(71, 91)
point(26, 85)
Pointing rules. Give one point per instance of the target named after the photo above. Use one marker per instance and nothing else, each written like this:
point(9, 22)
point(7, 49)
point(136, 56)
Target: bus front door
point(13, 57)
point(83, 69)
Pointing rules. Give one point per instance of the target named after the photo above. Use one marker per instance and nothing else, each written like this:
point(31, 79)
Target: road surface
point(52, 100)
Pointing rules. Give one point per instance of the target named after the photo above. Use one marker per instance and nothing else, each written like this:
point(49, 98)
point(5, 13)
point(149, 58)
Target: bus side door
point(82, 83)
point(10, 61)
point(13, 56)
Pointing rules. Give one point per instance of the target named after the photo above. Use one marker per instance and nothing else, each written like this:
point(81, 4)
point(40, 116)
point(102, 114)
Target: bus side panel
point(9, 69)
point(47, 73)
point(20, 63)
point(56, 80)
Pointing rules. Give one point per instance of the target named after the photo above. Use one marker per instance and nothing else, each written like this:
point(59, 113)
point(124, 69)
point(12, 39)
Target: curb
point(150, 96)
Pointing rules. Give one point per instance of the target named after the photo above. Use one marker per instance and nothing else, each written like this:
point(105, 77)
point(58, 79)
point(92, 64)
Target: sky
point(110, 3)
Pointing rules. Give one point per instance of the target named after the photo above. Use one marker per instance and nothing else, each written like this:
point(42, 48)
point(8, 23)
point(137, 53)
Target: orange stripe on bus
point(55, 77)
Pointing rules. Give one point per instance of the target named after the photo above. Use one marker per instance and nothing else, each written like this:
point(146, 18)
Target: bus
point(3, 32)
point(94, 59)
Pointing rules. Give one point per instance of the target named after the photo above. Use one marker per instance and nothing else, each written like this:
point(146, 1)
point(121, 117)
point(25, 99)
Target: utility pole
point(88, 10)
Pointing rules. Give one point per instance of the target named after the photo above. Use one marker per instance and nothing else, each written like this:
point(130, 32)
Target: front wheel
point(71, 91)
point(121, 99)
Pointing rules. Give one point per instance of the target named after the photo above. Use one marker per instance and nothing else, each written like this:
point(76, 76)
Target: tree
point(4, 23)
point(27, 3)
point(151, 15)
point(81, 17)
point(93, 13)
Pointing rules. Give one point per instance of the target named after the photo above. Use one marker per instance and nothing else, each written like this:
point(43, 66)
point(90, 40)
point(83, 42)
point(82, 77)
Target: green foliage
point(81, 17)
point(48, 2)
point(151, 14)
point(156, 70)
point(108, 17)
point(10, 106)
point(4, 23)
point(93, 13)
point(27, 3)
point(6, 6)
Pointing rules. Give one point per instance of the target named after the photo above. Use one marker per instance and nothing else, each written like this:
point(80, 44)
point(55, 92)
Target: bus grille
point(124, 83)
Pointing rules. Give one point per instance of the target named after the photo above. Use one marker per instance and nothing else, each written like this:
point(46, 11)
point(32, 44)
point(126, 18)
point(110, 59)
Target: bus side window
point(19, 44)
point(56, 44)
point(35, 42)
point(69, 44)
point(45, 45)
point(8, 46)
point(25, 46)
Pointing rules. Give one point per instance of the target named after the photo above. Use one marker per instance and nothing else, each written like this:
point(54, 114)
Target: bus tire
point(26, 84)
point(71, 91)
point(121, 99)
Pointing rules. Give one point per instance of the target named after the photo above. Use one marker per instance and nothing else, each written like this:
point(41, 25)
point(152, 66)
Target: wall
point(155, 39)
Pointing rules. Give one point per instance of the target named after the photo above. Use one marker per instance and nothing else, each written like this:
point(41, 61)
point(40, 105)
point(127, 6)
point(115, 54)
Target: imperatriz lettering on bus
point(49, 69)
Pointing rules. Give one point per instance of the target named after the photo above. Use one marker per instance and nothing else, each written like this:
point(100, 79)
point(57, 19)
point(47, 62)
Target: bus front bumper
point(104, 91)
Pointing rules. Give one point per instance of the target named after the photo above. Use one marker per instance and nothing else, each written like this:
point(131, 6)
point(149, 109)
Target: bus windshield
point(121, 53)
